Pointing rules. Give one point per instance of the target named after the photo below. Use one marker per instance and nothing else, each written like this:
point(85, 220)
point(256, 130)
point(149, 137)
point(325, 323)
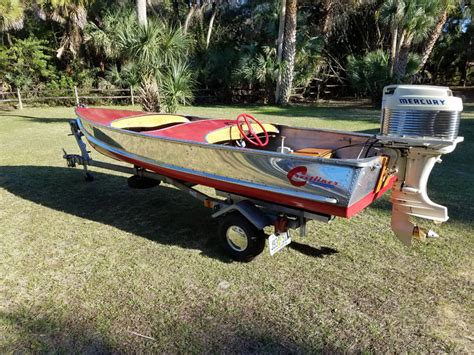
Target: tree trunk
point(401, 39)
point(463, 76)
point(211, 24)
point(393, 52)
point(141, 12)
point(328, 20)
point(289, 52)
point(431, 40)
point(189, 16)
point(402, 60)
point(281, 31)
point(9, 40)
point(176, 12)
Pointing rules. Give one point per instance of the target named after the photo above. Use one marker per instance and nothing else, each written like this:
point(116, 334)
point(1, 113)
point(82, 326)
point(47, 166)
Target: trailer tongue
point(281, 176)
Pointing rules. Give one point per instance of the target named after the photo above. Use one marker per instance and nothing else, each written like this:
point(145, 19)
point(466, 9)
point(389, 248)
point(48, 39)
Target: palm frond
point(177, 86)
point(11, 15)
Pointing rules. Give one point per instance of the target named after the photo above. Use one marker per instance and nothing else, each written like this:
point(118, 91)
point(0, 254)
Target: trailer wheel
point(240, 238)
point(141, 182)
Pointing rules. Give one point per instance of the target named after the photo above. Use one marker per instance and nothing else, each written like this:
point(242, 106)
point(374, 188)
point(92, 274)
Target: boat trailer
point(241, 219)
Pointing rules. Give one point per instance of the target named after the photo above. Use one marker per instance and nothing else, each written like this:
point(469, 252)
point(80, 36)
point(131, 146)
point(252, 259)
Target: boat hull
point(329, 186)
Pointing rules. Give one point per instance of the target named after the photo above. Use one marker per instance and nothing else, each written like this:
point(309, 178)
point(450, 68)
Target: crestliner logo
point(299, 176)
point(422, 101)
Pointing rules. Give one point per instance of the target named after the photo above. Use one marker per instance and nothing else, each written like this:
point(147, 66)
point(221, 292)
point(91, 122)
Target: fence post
point(131, 96)
point(20, 103)
point(76, 95)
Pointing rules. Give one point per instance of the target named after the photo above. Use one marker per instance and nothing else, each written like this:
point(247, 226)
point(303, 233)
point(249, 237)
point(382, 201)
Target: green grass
point(85, 267)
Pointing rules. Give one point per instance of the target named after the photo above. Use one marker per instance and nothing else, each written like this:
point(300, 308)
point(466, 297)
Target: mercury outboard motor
point(418, 125)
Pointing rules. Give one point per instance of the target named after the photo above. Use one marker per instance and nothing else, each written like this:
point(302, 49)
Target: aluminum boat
point(315, 170)
point(318, 171)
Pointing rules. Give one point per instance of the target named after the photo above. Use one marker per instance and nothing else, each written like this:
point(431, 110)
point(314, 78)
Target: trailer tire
point(240, 238)
point(141, 182)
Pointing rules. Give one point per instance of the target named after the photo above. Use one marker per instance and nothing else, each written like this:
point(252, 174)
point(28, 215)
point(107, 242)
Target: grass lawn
point(97, 267)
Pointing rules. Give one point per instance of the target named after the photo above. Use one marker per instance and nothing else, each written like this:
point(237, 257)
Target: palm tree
point(192, 9)
point(72, 14)
point(156, 53)
point(281, 33)
point(177, 86)
point(259, 69)
point(153, 47)
point(104, 40)
point(445, 7)
point(211, 23)
point(197, 9)
point(391, 13)
point(410, 22)
point(160, 53)
point(289, 52)
point(141, 12)
point(11, 16)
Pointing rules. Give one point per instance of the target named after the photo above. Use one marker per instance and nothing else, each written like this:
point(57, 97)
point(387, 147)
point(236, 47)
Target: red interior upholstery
point(193, 131)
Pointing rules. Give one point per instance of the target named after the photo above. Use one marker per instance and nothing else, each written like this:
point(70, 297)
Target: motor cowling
point(418, 111)
point(418, 124)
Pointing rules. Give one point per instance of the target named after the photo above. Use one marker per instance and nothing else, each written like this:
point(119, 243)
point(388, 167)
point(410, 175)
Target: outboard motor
point(418, 124)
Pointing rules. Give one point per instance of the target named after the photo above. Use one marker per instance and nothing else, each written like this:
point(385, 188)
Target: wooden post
point(20, 103)
point(76, 95)
point(131, 96)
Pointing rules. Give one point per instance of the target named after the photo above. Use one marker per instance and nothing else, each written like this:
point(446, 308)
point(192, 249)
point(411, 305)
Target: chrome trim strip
point(422, 123)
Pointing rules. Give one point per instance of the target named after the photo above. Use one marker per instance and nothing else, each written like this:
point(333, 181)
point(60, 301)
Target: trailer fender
point(247, 209)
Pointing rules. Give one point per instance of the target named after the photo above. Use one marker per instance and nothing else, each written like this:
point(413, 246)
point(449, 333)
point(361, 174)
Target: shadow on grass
point(38, 333)
point(312, 251)
point(163, 214)
point(37, 330)
point(46, 119)
point(36, 119)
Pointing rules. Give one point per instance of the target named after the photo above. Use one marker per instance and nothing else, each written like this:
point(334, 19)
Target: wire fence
point(76, 96)
point(20, 98)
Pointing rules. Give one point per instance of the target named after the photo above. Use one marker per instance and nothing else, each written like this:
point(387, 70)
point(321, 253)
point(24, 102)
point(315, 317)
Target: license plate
point(278, 241)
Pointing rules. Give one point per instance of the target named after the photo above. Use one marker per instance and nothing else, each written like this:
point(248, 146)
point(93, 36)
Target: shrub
point(177, 86)
point(370, 73)
point(27, 64)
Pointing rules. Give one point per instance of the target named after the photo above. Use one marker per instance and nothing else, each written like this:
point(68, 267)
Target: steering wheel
point(244, 119)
